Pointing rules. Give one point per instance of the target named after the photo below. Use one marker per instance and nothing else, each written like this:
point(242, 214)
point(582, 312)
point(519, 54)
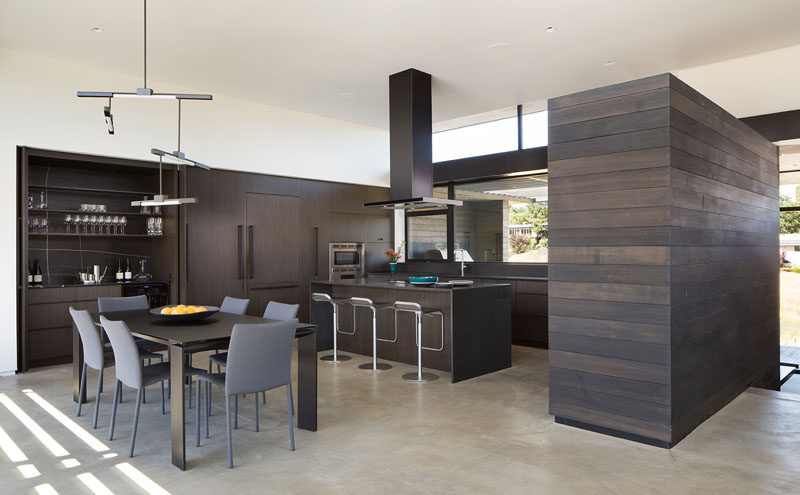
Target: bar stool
point(363, 302)
point(322, 297)
point(418, 311)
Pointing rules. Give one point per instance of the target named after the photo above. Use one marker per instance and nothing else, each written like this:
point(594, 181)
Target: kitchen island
point(477, 324)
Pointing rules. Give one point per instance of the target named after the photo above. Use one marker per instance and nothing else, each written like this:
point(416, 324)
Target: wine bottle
point(120, 275)
point(30, 276)
point(37, 274)
point(128, 274)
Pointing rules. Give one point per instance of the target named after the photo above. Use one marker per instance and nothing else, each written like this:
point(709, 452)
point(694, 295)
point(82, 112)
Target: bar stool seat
point(363, 302)
point(336, 357)
point(419, 312)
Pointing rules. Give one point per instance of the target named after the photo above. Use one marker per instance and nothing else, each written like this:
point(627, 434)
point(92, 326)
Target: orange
point(201, 309)
point(166, 311)
point(179, 311)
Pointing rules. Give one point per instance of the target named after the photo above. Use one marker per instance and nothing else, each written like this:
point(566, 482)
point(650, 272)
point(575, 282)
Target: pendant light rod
point(179, 126)
point(145, 42)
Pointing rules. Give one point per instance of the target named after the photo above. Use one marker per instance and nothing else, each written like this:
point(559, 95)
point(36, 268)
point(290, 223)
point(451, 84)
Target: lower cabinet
point(48, 325)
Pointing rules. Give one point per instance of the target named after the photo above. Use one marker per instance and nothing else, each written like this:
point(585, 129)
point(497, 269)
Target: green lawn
point(790, 309)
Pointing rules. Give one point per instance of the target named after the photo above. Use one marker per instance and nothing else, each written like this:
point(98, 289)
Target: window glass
point(534, 129)
point(502, 220)
point(426, 232)
point(480, 139)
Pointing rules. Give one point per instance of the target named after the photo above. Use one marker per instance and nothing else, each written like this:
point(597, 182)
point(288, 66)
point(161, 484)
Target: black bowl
point(182, 318)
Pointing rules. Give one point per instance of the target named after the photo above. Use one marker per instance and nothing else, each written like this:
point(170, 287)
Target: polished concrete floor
point(378, 433)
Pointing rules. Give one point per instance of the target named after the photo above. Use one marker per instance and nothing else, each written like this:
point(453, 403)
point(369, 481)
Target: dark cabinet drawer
point(532, 287)
point(51, 315)
point(49, 295)
point(531, 304)
point(49, 343)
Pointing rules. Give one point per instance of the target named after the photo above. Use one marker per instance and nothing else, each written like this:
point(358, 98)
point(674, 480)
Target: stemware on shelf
point(123, 221)
point(34, 224)
point(115, 224)
point(67, 221)
point(43, 224)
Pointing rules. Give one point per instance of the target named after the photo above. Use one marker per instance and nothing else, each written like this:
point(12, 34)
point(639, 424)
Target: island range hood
point(410, 145)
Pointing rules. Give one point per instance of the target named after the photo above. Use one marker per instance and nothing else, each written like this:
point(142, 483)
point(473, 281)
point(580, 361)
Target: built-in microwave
point(346, 260)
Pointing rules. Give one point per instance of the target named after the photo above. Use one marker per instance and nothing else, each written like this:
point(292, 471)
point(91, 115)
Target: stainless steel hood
point(410, 144)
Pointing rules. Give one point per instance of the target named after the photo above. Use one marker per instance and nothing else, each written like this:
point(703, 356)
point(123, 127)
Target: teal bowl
point(423, 280)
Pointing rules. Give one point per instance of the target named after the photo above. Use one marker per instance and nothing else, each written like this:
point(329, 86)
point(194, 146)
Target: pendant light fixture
point(162, 199)
point(143, 92)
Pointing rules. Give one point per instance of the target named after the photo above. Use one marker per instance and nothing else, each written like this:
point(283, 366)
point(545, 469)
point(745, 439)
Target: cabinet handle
point(250, 251)
point(316, 251)
point(239, 246)
point(187, 251)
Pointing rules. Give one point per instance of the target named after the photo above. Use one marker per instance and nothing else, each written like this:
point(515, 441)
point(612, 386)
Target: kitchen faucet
point(463, 265)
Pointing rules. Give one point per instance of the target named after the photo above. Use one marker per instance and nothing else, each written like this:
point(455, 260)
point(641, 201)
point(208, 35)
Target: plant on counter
point(395, 256)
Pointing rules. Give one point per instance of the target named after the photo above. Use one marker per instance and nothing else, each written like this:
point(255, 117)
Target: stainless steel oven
point(346, 260)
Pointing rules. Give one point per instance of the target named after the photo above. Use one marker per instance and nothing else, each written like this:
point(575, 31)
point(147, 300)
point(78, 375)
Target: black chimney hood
point(410, 144)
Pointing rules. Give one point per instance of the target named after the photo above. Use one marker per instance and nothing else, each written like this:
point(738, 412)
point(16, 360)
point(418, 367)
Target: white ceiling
point(304, 54)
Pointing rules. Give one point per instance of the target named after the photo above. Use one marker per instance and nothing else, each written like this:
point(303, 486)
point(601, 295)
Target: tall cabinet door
point(273, 247)
point(315, 235)
point(215, 236)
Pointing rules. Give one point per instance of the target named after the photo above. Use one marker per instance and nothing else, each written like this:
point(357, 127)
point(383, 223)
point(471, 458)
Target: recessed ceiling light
point(499, 46)
point(549, 29)
point(347, 95)
point(96, 29)
point(609, 62)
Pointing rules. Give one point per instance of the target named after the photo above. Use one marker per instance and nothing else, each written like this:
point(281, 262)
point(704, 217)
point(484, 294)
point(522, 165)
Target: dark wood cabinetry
point(215, 236)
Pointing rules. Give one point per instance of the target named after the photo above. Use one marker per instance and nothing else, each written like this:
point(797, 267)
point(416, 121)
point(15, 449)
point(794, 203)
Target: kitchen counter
point(477, 324)
point(402, 285)
point(456, 277)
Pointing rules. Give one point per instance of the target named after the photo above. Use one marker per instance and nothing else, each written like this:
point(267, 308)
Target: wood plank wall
point(663, 242)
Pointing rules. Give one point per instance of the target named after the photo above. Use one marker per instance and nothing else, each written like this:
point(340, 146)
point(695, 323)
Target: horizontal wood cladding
point(663, 280)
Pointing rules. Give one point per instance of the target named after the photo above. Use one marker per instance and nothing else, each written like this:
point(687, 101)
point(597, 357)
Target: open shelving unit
point(66, 181)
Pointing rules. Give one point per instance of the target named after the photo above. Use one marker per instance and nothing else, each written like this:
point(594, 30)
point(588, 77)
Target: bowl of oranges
point(182, 312)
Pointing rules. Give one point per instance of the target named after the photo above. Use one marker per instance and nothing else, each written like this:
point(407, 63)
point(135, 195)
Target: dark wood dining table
point(211, 332)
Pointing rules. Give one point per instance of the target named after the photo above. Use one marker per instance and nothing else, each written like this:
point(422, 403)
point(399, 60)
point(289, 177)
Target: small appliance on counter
point(345, 260)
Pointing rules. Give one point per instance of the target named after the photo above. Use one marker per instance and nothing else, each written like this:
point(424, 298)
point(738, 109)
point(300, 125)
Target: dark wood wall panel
point(663, 273)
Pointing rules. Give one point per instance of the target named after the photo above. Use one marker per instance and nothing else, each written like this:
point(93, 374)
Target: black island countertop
point(403, 285)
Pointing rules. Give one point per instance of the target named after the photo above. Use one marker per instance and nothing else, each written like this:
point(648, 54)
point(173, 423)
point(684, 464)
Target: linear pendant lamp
point(161, 199)
point(143, 92)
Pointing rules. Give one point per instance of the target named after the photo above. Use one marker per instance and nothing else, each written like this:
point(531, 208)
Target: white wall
point(38, 108)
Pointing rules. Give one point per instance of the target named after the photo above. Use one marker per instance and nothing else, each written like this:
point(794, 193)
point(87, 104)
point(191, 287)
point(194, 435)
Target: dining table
point(212, 332)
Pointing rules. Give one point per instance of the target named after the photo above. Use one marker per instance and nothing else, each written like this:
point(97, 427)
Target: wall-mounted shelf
point(99, 236)
point(92, 190)
point(33, 211)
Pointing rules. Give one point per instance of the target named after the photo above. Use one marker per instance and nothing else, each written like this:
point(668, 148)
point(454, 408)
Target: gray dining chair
point(131, 372)
point(274, 311)
point(95, 355)
point(260, 358)
point(129, 303)
point(234, 305)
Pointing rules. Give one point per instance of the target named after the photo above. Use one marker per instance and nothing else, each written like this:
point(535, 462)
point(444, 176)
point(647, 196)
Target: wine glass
point(67, 221)
point(85, 222)
point(93, 223)
point(115, 223)
point(35, 224)
point(43, 224)
point(108, 224)
point(123, 222)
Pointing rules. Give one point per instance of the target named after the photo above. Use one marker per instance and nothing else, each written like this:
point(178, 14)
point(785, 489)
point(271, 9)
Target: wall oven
point(346, 260)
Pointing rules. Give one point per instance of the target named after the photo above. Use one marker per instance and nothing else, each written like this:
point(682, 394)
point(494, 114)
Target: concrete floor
point(379, 433)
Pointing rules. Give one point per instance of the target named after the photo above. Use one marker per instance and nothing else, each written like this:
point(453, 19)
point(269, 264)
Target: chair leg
point(290, 409)
point(82, 390)
point(97, 398)
point(197, 417)
point(208, 404)
point(117, 393)
point(235, 412)
point(139, 399)
point(264, 396)
point(256, 401)
point(163, 409)
point(228, 422)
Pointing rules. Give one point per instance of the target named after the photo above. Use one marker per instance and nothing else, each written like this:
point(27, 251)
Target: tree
point(533, 214)
point(790, 220)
